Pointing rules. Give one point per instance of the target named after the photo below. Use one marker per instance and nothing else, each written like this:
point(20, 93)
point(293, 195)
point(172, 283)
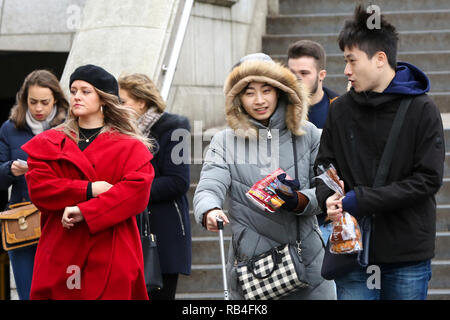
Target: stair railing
point(169, 70)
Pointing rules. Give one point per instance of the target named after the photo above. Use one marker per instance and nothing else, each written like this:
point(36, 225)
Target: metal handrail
point(175, 54)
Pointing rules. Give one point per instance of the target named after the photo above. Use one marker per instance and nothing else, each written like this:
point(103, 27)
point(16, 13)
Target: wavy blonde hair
point(141, 87)
point(116, 118)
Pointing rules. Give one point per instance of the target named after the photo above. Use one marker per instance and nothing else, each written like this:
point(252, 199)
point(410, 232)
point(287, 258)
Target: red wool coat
point(100, 257)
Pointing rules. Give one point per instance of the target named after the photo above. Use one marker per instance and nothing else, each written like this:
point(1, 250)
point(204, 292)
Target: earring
point(101, 108)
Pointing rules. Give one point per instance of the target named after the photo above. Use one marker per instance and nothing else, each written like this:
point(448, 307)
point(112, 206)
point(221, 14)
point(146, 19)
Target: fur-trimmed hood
point(274, 74)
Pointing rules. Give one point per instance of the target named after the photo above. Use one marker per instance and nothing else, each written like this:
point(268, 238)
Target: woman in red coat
point(90, 177)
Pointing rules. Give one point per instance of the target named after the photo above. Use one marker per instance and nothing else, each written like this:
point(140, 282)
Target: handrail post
point(171, 67)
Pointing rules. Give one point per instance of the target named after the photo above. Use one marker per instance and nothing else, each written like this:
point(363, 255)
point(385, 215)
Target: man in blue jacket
point(403, 211)
point(307, 60)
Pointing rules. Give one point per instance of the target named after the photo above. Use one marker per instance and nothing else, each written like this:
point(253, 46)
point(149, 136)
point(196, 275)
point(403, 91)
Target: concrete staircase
point(424, 28)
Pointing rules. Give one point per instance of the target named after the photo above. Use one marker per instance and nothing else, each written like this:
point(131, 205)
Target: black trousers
point(169, 288)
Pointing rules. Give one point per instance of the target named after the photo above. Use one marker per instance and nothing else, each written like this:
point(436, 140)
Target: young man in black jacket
point(403, 211)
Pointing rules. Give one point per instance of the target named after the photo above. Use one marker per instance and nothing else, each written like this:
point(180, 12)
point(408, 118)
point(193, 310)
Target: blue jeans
point(22, 262)
point(400, 281)
point(326, 230)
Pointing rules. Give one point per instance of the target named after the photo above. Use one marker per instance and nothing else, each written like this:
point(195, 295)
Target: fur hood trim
point(274, 74)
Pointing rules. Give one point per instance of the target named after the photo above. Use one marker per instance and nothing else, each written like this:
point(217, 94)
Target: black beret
point(97, 76)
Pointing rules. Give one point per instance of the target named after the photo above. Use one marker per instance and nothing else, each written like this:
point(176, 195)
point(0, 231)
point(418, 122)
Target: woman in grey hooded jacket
point(265, 108)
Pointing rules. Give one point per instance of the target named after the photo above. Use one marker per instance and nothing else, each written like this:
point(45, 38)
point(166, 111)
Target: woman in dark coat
point(168, 204)
point(40, 105)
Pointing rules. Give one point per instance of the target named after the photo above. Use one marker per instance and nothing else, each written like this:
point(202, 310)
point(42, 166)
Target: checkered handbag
point(270, 275)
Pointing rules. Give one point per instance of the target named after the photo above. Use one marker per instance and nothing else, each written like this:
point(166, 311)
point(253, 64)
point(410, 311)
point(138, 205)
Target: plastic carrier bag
point(346, 235)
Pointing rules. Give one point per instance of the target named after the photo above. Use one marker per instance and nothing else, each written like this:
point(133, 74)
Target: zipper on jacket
point(269, 134)
point(180, 217)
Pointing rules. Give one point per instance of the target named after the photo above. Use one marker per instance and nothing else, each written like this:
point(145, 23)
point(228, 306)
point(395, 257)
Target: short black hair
point(308, 48)
point(357, 33)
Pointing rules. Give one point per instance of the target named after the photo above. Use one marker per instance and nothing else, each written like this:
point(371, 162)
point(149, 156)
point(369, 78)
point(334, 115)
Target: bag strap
point(144, 223)
point(381, 175)
point(294, 148)
point(388, 153)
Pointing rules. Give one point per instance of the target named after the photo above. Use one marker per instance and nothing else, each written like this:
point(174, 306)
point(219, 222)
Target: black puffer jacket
point(404, 210)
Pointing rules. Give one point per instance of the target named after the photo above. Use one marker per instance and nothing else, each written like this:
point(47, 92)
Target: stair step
point(442, 245)
point(440, 274)
point(207, 250)
point(442, 101)
point(447, 165)
point(333, 22)
point(443, 196)
point(443, 218)
point(447, 137)
point(408, 41)
point(203, 279)
point(327, 6)
point(438, 294)
point(200, 296)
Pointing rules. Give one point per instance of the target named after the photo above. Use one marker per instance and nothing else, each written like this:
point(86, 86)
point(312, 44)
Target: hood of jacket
point(276, 75)
point(408, 80)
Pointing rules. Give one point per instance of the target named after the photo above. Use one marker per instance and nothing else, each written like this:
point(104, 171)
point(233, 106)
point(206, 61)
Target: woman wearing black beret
point(90, 177)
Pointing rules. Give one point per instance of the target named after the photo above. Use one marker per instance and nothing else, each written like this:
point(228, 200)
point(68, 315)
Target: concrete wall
point(134, 36)
point(44, 25)
point(217, 37)
point(123, 36)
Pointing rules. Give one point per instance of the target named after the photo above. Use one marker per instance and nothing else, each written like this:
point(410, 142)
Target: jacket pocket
point(180, 217)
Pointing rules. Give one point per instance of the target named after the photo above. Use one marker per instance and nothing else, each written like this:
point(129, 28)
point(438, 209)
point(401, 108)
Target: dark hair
point(308, 48)
point(357, 33)
point(41, 78)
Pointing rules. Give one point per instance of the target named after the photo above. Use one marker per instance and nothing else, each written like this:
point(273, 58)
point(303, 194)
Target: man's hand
point(334, 207)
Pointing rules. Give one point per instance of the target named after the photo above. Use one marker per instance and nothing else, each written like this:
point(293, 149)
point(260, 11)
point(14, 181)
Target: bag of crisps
point(263, 193)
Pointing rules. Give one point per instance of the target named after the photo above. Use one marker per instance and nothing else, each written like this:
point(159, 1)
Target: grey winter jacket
point(234, 163)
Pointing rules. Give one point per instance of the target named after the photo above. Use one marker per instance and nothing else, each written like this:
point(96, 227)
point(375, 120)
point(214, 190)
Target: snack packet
point(346, 235)
point(263, 193)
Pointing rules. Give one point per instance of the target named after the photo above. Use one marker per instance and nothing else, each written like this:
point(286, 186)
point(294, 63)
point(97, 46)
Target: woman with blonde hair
point(90, 177)
point(40, 105)
point(168, 204)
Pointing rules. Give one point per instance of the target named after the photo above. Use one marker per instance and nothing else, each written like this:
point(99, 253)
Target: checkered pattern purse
point(270, 275)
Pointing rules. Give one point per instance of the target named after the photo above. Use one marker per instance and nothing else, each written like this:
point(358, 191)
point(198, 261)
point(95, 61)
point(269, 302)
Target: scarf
point(37, 126)
point(147, 120)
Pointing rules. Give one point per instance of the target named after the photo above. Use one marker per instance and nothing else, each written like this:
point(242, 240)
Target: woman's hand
point(71, 216)
point(18, 169)
point(211, 222)
point(98, 187)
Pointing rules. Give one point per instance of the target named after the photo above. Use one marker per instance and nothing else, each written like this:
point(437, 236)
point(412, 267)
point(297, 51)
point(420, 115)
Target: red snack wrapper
point(263, 194)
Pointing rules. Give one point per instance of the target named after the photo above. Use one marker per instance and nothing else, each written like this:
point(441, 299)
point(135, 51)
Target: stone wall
point(44, 25)
point(217, 37)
